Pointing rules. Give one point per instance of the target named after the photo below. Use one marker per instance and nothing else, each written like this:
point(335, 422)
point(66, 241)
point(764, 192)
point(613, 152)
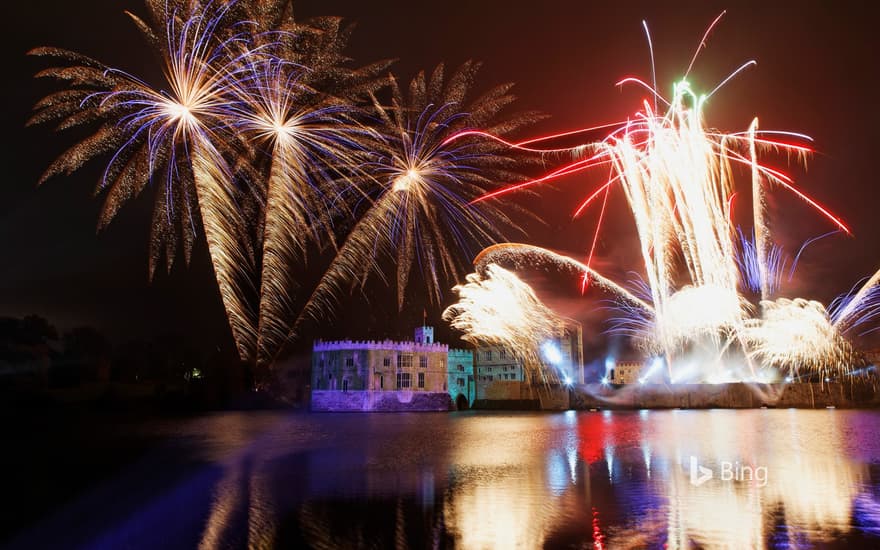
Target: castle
point(422, 374)
point(389, 375)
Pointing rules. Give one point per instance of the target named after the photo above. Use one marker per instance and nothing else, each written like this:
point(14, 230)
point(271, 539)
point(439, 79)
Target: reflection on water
point(601, 479)
point(489, 480)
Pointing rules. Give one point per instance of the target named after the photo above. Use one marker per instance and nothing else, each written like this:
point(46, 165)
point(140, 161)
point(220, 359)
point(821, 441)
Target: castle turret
point(424, 335)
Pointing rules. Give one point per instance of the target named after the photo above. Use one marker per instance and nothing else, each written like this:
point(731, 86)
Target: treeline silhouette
point(39, 365)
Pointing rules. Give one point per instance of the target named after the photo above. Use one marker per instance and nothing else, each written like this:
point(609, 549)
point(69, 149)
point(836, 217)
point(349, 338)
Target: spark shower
point(692, 307)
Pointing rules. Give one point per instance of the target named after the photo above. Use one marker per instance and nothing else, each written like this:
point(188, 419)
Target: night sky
point(817, 73)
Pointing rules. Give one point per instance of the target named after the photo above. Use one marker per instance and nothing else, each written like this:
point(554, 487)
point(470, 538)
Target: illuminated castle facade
point(369, 374)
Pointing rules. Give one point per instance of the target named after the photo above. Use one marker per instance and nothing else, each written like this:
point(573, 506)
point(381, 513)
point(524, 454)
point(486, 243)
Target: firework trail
point(760, 272)
point(177, 138)
point(761, 243)
point(856, 308)
point(496, 308)
point(424, 213)
point(518, 256)
point(853, 311)
point(297, 98)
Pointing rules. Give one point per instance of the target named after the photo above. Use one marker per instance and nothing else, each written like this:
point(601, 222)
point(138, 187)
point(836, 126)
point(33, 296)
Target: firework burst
point(423, 215)
point(315, 145)
point(312, 149)
point(177, 139)
point(297, 103)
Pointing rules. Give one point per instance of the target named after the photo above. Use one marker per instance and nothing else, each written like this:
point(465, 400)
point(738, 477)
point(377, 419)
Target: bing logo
point(730, 471)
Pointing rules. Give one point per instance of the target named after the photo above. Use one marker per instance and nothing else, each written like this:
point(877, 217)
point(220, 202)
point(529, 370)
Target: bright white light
point(788, 378)
point(551, 352)
point(724, 377)
point(406, 180)
point(685, 373)
point(568, 381)
point(656, 365)
point(605, 380)
point(178, 112)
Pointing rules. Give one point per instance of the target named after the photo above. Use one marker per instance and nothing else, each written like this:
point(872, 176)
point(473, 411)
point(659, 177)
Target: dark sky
point(817, 73)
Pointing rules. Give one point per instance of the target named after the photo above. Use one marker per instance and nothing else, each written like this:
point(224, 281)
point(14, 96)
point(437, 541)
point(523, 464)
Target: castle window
point(460, 368)
point(382, 382)
point(421, 380)
point(345, 384)
point(423, 361)
point(404, 361)
point(386, 362)
point(404, 380)
point(349, 361)
point(460, 381)
point(488, 355)
point(502, 354)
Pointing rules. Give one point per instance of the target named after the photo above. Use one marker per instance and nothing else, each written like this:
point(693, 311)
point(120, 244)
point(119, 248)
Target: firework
point(798, 334)
point(310, 149)
point(297, 101)
point(678, 178)
point(854, 309)
point(518, 255)
point(761, 271)
point(499, 309)
point(177, 139)
point(423, 214)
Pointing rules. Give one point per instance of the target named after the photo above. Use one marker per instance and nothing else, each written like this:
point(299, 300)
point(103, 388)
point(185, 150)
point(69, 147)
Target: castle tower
point(424, 335)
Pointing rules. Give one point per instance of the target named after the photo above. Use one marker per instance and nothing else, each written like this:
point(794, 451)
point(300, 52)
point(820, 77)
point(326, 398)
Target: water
point(804, 479)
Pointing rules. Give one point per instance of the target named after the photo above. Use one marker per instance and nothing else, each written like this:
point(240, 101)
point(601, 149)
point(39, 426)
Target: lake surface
point(779, 479)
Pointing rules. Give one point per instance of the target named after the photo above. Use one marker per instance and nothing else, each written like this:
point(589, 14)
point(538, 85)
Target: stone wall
point(516, 395)
point(376, 401)
point(508, 394)
point(730, 396)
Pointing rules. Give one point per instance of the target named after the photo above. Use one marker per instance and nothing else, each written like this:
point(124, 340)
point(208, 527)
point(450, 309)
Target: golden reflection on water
point(809, 479)
point(599, 479)
point(506, 498)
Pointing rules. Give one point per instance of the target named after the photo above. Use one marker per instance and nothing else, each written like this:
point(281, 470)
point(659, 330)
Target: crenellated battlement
point(455, 352)
point(381, 345)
